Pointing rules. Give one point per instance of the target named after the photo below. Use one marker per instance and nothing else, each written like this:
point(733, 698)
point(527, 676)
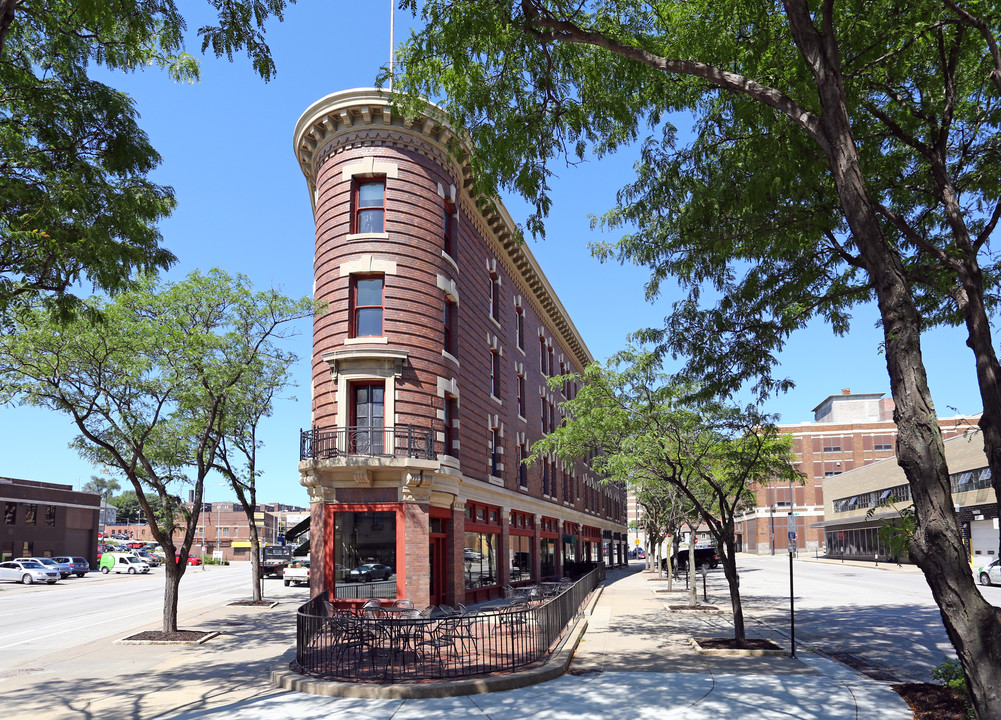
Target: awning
point(240, 544)
point(859, 520)
point(302, 550)
point(297, 530)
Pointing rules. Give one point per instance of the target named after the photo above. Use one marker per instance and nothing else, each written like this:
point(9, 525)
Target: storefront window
point(547, 548)
point(364, 539)
point(520, 557)
point(481, 560)
point(569, 549)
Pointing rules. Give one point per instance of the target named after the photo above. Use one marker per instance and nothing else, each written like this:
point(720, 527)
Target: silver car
point(63, 569)
point(79, 565)
point(27, 572)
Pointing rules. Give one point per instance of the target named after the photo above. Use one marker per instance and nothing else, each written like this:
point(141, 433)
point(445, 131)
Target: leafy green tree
point(76, 201)
point(844, 153)
point(102, 486)
point(236, 455)
point(147, 385)
point(641, 429)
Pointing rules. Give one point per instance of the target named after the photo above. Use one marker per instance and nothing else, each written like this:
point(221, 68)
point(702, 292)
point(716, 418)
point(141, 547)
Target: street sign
point(792, 536)
point(637, 541)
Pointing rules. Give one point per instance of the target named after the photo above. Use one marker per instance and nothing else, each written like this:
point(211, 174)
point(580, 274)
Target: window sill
point(381, 340)
point(494, 480)
point(450, 356)
point(367, 236)
point(522, 418)
point(496, 399)
point(522, 488)
point(521, 350)
point(495, 321)
point(450, 260)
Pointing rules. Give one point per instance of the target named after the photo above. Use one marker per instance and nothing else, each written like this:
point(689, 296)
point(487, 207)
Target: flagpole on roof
point(391, 48)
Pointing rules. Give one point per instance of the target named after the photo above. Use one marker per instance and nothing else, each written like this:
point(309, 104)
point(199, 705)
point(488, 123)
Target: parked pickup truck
point(297, 572)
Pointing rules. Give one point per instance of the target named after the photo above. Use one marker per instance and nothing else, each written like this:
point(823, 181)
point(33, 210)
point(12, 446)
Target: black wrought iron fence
point(392, 647)
point(399, 441)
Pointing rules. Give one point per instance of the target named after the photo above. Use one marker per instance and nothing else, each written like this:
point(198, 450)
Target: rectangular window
point(520, 320)
point(481, 559)
point(520, 557)
point(450, 415)
point(50, 516)
point(547, 547)
point(494, 453)
point(495, 299)
point(832, 445)
point(522, 468)
point(550, 365)
point(451, 329)
point(448, 233)
point(545, 478)
point(545, 427)
point(366, 435)
point(521, 395)
point(30, 514)
point(366, 305)
point(369, 206)
point(10, 513)
point(542, 356)
point(365, 552)
point(495, 374)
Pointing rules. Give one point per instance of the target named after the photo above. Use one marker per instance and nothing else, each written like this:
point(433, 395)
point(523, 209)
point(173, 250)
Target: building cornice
point(339, 114)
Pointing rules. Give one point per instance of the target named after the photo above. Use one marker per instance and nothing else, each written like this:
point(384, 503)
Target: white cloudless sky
point(226, 144)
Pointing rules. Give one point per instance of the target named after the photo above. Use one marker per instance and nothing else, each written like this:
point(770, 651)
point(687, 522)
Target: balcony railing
point(398, 441)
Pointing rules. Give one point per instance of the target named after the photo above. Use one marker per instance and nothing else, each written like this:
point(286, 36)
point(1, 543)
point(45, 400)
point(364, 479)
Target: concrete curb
point(559, 662)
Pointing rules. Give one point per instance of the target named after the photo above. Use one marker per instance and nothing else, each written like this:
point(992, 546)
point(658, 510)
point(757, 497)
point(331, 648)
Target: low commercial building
point(848, 431)
point(849, 532)
point(430, 372)
point(48, 520)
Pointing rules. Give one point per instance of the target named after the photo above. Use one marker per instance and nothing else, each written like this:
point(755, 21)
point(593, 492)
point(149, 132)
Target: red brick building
point(848, 431)
point(429, 374)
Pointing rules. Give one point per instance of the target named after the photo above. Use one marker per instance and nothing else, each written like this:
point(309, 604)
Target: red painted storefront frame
point(329, 578)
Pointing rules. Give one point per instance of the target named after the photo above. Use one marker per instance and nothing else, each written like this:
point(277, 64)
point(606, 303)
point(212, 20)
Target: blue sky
point(242, 206)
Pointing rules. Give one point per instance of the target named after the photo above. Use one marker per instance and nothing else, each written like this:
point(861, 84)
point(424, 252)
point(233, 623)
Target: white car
point(990, 573)
point(296, 572)
point(27, 572)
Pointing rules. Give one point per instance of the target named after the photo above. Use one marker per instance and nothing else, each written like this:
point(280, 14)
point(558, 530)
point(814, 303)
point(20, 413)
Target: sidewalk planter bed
point(756, 647)
point(706, 609)
point(340, 645)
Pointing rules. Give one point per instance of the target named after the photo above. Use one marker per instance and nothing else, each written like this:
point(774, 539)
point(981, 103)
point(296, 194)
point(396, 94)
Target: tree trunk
point(973, 626)
point(7, 8)
point(173, 572)
point(728, 556)
point(255, 560)
point(693, 590)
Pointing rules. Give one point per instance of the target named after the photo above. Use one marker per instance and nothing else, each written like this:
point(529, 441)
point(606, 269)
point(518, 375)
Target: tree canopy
point(150, 387)
point(77, 206)
point(638, 425)
point(844, 152)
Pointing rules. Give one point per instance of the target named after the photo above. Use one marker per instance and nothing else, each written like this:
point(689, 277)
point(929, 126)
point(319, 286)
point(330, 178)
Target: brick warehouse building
point(849, 431)
point(429, 374)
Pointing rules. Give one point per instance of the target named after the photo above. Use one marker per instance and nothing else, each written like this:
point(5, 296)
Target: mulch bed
point(176, 636)
point(731, 644)
point(252, 603)
point(932, 702)
point(693, 608)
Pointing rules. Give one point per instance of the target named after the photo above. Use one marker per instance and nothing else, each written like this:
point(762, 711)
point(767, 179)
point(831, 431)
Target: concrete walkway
point(634, 662)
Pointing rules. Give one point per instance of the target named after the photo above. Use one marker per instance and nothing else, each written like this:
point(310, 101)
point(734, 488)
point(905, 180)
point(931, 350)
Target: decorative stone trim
point(368, 264)
point(370, 166)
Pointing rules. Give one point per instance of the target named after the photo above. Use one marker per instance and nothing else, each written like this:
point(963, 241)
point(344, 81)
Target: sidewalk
point(634, 661)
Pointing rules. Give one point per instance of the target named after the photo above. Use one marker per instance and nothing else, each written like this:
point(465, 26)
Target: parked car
point(370, 572)
point(296, 572)
point(63, 569)
point(473, 555)
point(122, 563)
point(27, 572)
point(192, 559)
point(990, 573)
point(148, 558)
point(704, 556)
point(79, 565)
